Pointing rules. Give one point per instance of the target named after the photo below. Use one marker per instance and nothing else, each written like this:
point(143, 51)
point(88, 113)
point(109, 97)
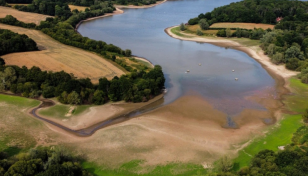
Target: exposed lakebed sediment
point(256, 95)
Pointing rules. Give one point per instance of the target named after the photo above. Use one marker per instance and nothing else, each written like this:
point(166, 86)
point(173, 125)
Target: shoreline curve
point(263, 59)
point(91, 128)
point(119, 11)
point(279, 73)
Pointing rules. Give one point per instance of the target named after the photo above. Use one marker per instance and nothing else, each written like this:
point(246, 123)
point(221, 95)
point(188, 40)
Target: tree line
point(137, 86)
point(120, 2)
point(10, 20)
point(42, 161)
point(60, 7)
point(19, 1)
point(12, 42)
point(256, 11)
point(47, 7)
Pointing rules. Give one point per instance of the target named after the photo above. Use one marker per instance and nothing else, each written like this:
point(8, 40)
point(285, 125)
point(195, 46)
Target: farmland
point(54, 56)
point(79, 8)
point(242, 25)
point(22, 16)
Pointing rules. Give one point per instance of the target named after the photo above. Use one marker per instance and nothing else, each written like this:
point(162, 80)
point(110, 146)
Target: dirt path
point(97, 123)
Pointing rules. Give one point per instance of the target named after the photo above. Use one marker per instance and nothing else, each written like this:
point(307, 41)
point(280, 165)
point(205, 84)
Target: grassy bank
point(281, 133)
point(135, 168)
point(60, 110)
point(277, 135)
point(190, 32)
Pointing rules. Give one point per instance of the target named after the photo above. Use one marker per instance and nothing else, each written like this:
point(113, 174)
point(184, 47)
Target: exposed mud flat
point(187, 130)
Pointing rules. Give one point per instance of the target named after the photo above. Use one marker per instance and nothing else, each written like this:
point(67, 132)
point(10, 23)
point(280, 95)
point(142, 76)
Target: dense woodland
point(286, 44)
point(257, 11)
point(47, 7)
point(41, 162)
point(134, 87)
point(12, 42)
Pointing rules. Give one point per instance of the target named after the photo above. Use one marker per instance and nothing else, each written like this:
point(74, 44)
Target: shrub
point(199, 32)
point(204, 25)
point(182, 27)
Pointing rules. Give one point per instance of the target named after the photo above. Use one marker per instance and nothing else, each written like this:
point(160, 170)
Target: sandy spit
point(255, 52)
point(145, 60)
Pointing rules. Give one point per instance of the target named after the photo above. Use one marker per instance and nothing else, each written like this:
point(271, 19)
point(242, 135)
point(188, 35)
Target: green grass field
point(135, 167)
point(15, 122)
point(18, 101)
point(281, 133)
point(177, 31)
point(298, 102)
point(59, 110)
point(278, 135)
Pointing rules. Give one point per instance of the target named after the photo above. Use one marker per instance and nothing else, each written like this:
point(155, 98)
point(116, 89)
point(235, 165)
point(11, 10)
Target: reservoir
point(142, 31)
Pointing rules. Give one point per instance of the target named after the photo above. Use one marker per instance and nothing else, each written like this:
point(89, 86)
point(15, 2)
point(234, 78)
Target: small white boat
point(199, 64)
point(233, 70)
point(236, 79)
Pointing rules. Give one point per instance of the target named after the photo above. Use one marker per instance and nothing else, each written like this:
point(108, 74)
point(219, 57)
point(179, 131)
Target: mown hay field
point(194, 28)
point(242, 25)
point(55, 56)
point(22, 16)
point(79, 8)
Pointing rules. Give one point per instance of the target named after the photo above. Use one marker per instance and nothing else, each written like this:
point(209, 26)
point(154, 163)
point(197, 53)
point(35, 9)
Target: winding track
point(85, 132)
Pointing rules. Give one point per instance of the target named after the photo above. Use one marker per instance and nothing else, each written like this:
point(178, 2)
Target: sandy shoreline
point(144, 60)
point(255, 52)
